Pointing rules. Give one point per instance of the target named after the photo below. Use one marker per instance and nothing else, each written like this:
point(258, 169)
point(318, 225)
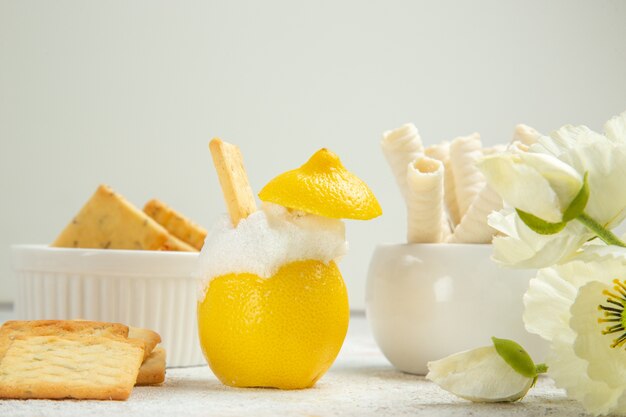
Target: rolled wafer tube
point(441, 152)
point(425, 214)
point(401, 146)
point(517, 147)
point(526, 134)
point(446, 227)
point(474, 228)
point(465, 151)
point(493, 150)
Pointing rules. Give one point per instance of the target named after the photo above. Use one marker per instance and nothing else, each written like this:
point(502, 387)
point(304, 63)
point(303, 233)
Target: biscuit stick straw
point(233, 180)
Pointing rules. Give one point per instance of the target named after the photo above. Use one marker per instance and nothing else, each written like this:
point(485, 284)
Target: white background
point(128, 93)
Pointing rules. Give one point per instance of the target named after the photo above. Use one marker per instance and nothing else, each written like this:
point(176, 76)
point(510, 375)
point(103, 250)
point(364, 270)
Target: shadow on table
point(385, 372)
point(364, 373)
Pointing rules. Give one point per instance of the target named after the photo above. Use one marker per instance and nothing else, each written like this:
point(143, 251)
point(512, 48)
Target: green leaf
point(538, 225)
point(542, 368)
point(578, 204)
point(515, 356)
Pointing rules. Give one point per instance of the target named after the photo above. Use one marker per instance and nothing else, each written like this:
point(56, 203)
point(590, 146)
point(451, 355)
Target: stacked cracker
point(77, 359)
point(446, 195)
point(109, 221)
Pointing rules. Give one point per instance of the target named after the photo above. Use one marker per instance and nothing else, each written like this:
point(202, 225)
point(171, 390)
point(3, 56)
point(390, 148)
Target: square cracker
point(148, 337)
point(152, 370)
point(175, 223)
point(80, 366)
point(109, 221)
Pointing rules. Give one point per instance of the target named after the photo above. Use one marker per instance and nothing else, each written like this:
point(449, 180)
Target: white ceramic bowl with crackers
point(147, 289)
point(427, 301)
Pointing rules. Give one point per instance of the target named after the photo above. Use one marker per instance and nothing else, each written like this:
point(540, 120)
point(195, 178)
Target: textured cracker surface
point(12, 329)
point(70, 366)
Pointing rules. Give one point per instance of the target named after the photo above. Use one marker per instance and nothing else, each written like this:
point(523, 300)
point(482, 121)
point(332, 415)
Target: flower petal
point(547, 304)
point(479, 375)
point(521, 186)
point(570, 373)
point(615, 128)
point(564, 180)
point(597, 253)
point(605, 162)
point(556, 311)
point(569, 137)
point(520, 247)
point(606, 364)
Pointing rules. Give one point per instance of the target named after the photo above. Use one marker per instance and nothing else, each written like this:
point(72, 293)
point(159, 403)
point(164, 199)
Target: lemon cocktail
point(273, 308)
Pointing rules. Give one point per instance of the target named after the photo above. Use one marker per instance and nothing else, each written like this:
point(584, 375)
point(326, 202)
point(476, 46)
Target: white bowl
point(427, 301)
point(151, 289)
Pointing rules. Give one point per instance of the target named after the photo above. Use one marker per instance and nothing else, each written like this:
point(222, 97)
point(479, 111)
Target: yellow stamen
point(613, 312)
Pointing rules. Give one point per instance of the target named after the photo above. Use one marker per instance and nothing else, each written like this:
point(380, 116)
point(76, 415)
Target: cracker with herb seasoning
point(175, 244)
point(176, 223)
point(109, 221)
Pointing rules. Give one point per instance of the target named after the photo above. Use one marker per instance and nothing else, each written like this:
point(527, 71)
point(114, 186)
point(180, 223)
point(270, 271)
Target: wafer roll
point(425, 213)
point(474, 228)
point(401, 146)
point(526, 134)
point(517, 147)
point(441, 152)
point(465, 151)
point(493, 150)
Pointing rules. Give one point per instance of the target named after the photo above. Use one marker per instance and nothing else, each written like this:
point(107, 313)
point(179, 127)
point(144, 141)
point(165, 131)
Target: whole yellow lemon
point(282, 332)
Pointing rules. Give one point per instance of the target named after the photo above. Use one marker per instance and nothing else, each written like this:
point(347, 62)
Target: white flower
point(579, 308)
point(517, 245)
point(539, 184)
point(544, 188)
point(498, 373)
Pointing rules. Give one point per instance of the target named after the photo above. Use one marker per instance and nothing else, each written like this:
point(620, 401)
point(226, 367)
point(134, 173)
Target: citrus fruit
point(323, 186)
point(284, 331)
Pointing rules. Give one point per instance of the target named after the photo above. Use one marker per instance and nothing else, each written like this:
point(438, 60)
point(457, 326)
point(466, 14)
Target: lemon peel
point(323, 186)
point(283, 332)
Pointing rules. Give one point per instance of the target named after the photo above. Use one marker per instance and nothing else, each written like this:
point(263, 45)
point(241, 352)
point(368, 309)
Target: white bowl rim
point(112, 262)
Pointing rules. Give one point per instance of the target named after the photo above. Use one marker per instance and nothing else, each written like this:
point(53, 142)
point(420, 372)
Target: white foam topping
point(267, 240)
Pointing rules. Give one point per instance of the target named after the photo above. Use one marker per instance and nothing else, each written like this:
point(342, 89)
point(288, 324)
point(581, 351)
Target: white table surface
point(360, 383)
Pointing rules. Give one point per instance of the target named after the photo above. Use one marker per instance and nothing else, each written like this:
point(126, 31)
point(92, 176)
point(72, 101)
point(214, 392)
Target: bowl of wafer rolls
point(440, 292)
point(115, 262)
